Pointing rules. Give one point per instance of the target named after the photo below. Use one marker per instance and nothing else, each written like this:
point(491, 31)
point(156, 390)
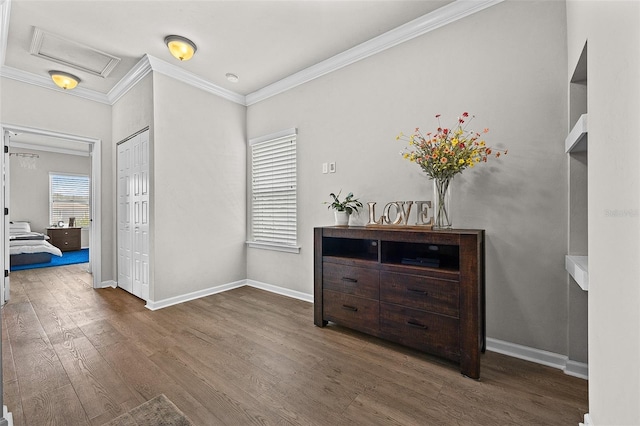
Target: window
point(69, 197)
point(273, 192)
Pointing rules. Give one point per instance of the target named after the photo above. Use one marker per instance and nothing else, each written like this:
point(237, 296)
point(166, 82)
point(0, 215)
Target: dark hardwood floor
point(77, 356)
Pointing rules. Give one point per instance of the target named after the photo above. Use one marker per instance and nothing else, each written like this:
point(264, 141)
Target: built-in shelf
point(576, 141)
point(578, 268)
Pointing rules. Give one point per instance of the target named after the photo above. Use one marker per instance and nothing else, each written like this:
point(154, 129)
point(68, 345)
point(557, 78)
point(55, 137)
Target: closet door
point(133, 215)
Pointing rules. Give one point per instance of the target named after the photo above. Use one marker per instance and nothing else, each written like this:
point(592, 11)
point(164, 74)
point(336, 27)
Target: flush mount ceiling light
point(232, 77)
point(180, 47)
point(64, 80)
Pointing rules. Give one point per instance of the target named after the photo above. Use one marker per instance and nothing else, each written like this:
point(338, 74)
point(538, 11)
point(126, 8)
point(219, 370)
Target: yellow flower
point(461, 161)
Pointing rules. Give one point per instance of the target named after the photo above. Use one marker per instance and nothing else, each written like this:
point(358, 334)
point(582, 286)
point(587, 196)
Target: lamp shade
point(180, 47)
point(64, 80)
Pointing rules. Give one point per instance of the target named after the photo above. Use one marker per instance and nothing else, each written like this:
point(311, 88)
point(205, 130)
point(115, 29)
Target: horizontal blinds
point(274, 207)
point(69, 197)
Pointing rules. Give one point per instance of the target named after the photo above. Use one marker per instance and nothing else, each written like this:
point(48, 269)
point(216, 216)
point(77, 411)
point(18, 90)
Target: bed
point(27, 247)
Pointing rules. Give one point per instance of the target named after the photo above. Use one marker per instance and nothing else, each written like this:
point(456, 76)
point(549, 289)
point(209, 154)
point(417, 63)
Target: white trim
point(45, 148)
point(281, 290)
point(194, 80)
point(5, 13)
point(155, 305)
point(95, 254)
point(7, 415)
point(47, 83)
point(108, 284)
point(587, 421)
point(277, 135)
point(272, 246)
point(420, 26)
point(539, 356)
point(577, 369)
point(133, 77)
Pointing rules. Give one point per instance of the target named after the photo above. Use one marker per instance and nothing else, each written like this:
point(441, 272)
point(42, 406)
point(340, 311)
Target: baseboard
point(577, 369)
point(539, 356)
point(159, 304)
point(281, 290)
point(587, 421)
point(108, 283)
point(6, 415)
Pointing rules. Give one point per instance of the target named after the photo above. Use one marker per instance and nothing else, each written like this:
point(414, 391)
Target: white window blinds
point(273, 191)
point(69, 197)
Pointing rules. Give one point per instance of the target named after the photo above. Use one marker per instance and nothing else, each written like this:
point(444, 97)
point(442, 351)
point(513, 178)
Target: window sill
point(274, 247)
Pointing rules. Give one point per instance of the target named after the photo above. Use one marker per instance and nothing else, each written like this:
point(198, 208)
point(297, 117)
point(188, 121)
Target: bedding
point(27, 247)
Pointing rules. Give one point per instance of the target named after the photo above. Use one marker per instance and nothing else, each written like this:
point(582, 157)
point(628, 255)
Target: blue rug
point(68, 258)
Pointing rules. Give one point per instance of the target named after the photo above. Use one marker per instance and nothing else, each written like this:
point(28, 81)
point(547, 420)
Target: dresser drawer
point(351, 280)
point(422, 330)
point(351, 311)
point(414, 291)
point(66, 239)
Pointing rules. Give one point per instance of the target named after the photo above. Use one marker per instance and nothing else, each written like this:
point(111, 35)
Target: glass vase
point(441, 203)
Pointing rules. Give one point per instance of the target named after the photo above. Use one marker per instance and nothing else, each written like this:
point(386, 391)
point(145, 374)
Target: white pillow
point(19, 227)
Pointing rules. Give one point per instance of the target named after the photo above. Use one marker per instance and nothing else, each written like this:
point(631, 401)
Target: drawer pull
point(350, 280)
point(413, 290)
point(414, 324)
point(350, 308)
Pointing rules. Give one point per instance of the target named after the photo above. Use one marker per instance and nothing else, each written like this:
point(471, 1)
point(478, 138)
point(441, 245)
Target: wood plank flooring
point(77, 356)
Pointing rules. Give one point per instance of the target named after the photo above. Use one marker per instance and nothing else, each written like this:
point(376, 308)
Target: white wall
point(52, 109)
point(30, 187)
point(199, 189)
point(613, 91)
point(507, 65)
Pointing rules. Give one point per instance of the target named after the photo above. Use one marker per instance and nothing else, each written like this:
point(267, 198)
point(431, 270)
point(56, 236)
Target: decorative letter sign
point(401, 211)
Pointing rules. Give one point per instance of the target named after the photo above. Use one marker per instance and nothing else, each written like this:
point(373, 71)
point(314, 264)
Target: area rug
point(68, 258)
point(159, 411)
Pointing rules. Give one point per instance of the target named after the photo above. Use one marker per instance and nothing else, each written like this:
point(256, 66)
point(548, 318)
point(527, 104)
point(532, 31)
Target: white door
point(133, 215)
point(4, 284)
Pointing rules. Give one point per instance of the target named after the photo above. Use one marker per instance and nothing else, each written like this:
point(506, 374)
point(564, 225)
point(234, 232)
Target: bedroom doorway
point(11, 135)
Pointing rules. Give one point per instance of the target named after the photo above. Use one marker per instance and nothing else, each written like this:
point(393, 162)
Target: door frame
point(95, 152)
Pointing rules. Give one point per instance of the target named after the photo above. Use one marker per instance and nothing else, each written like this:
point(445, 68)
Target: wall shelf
point(576, 141)
point(578, 268)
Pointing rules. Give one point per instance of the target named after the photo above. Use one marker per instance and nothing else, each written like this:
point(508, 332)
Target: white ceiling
point(260, 41)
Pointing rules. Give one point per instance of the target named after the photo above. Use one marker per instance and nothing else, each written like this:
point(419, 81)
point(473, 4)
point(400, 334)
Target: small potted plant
point(344, 208)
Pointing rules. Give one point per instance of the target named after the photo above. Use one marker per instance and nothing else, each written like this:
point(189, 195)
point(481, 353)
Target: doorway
point(93, 146)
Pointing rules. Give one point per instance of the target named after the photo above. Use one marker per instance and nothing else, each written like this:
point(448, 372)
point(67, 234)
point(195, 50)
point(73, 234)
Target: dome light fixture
point(232, 77)
point(64, 80)
point(180, 47)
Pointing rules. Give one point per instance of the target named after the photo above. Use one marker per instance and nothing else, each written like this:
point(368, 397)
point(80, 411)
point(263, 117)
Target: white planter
point(342, 218)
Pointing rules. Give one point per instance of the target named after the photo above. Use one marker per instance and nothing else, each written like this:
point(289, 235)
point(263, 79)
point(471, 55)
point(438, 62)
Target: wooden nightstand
point(66, 239)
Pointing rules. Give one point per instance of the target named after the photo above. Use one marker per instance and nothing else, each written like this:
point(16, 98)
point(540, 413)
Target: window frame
point(283, 135)
point(65, 174)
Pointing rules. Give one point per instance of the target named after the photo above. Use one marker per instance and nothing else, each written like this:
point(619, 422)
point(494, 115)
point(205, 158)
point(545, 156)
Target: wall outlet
point(325, 168)
point(332, 167)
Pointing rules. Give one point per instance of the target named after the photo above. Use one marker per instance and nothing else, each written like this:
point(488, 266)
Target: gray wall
point(199, 189)
point(613, 104)
point(507, 65)
point(29, 188)
point(27, 105)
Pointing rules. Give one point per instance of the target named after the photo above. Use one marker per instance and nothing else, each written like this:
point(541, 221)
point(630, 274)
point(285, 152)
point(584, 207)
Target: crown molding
point(5, 12)
point(194, 80)
point(133, 77)
point(445, 15)
point(47, 83)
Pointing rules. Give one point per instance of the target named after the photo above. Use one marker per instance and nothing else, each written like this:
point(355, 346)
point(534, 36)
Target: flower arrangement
point(348, 205)
point(444, 154)
point(448, 151)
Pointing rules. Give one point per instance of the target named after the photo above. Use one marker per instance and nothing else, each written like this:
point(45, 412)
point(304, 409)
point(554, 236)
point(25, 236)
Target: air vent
point(66, 52)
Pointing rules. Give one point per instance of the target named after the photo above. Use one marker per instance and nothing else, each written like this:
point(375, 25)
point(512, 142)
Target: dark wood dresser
point(419, 288)
point(66, 239)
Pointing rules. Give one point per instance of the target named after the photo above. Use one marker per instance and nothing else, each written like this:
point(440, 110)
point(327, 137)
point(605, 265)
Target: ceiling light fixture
point(64, 80)
point(180, 47)
point(232, 77)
